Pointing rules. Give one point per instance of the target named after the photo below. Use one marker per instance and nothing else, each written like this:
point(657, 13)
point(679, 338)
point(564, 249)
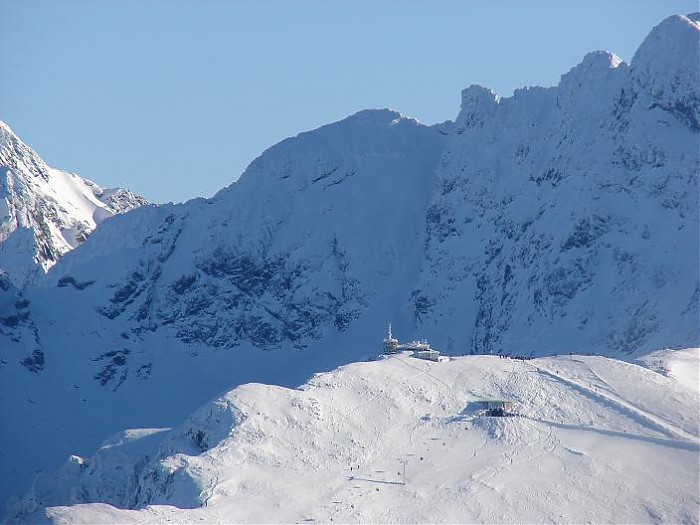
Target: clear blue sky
point(173, 99)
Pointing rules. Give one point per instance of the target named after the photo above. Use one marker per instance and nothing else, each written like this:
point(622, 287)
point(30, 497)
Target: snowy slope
point(596, 440)
point(682, 365)
point(176, 302)
point(558, 220)
point(45, 212)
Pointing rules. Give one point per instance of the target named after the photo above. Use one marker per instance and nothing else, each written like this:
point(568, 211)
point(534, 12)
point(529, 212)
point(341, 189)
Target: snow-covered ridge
point(313, 228)
point(579, 213)
point(45, 212)
point(587, 428)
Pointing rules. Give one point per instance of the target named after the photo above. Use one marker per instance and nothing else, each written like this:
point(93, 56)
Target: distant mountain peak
point(676, 39)
point(665, 68)
point(5, 128)
point(600, 59)
point(5, 132)
point(45, 212)
point(478, 103)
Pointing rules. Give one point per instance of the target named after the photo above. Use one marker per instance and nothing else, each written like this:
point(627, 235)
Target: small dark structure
point(498, 408)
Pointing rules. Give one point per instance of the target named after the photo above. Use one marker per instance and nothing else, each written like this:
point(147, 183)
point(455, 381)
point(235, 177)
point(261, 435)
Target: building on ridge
point(419, 349)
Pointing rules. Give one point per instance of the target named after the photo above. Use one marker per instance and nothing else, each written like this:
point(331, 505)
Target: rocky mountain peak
point(478, 103)
point(45, 212)
point(665, 68)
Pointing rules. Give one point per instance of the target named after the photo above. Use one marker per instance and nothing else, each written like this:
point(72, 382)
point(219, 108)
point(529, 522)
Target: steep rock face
point(568, 216)
point(45, 212)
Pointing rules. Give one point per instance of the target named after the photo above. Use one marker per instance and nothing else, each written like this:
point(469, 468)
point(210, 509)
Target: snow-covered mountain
point(179, 302)
point(557, 220)
point(570, 214)
point(45, 212)
point(400, 440)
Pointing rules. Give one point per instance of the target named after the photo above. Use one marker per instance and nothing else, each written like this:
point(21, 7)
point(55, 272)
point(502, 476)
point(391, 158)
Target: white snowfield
point(596, 440)
point(679, 364)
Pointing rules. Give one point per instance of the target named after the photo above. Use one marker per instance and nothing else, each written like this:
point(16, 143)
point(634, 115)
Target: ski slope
point(596, 440)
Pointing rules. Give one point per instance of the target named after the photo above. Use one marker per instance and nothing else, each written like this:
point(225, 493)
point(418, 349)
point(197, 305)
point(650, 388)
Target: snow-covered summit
point(405, 440)
point(666, 71)
point(45, 212)
point(595, 70)
point(548, 202)
point(675, 39)
point(478, 103)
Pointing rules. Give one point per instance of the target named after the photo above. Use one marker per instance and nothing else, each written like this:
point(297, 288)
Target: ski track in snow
point(656, 423)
